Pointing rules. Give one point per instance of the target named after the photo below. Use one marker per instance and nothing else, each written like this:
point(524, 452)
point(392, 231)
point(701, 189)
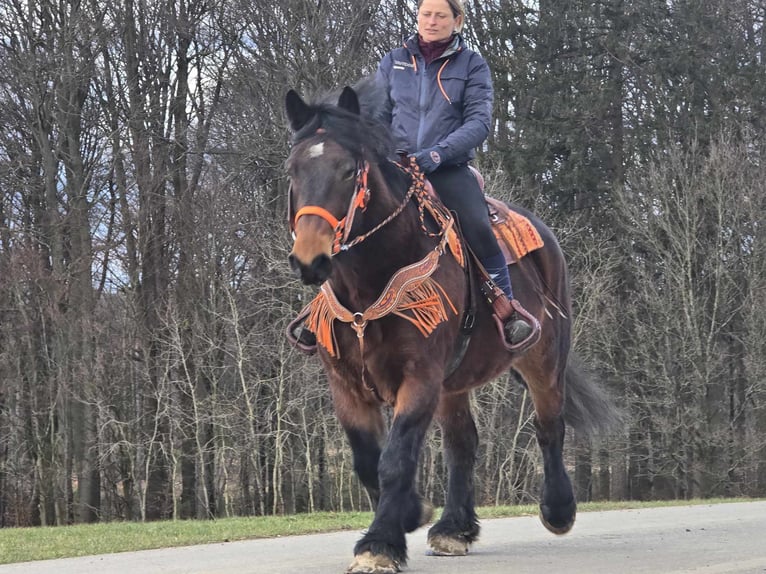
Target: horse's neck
point(361, 273)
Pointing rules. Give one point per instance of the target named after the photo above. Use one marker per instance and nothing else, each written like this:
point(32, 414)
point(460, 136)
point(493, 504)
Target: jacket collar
point(457, 45)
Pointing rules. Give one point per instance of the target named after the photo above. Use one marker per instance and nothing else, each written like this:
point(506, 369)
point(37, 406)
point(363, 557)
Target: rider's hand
point(428, 159)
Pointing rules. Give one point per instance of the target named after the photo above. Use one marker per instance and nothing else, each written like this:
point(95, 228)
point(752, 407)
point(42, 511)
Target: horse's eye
point(349, 173)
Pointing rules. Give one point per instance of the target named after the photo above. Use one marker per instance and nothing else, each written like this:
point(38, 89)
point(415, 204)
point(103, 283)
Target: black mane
point(356, 133)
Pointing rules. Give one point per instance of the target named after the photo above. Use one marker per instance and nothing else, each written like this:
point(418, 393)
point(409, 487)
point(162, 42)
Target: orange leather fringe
point(424, 305)
point(320, 321)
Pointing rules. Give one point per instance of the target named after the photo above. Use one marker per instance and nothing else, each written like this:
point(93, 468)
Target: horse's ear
point(349, 101)
point(298, 112)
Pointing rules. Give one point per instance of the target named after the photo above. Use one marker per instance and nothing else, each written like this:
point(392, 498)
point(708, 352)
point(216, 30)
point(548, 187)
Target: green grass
point(25, 544)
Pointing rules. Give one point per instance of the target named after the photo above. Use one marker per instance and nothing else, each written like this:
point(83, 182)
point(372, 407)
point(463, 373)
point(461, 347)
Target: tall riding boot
point(519, 329)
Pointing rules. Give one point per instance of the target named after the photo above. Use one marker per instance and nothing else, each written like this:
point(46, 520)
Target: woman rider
point(440, 108)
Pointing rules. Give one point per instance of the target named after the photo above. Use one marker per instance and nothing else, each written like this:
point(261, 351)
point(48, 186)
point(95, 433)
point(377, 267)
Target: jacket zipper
point(420, 73)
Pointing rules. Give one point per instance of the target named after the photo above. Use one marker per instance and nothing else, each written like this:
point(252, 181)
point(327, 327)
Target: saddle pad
point(515, 233)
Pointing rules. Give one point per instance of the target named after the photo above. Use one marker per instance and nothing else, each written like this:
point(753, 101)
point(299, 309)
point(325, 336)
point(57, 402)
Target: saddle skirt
point(515, 234)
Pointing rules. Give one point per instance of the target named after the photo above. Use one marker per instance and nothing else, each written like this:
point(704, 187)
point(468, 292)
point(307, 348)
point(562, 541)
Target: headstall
point(342, 227)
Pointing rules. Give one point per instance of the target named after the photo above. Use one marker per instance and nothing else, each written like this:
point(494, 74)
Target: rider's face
point(436, 21)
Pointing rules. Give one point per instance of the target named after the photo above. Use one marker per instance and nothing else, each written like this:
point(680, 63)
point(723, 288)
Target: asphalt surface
point(715, 539)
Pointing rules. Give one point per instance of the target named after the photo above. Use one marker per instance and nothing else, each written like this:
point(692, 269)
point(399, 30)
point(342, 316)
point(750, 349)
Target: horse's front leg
point(383, 548)
point(360, 417)
point(458, 527)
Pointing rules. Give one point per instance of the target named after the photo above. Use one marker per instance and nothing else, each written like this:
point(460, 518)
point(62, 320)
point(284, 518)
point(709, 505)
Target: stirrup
point(526, 343)
point(299, 336)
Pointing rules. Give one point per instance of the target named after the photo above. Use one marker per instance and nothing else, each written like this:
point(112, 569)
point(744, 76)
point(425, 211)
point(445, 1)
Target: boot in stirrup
point(518, 328)
point(300, 336)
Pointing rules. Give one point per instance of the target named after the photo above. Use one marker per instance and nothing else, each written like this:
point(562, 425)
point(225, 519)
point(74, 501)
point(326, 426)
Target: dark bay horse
point(390, 325)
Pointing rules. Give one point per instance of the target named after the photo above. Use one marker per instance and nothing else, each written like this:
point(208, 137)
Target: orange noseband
point(342, 227)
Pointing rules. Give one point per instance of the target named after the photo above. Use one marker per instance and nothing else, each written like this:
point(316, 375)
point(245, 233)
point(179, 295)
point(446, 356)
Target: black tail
point(587, 406)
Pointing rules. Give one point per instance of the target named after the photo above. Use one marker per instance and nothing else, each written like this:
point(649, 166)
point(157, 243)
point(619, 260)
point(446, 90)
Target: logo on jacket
point(401, 64)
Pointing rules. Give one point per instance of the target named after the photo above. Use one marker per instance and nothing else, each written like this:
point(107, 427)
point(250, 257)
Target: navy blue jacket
point(445, 106)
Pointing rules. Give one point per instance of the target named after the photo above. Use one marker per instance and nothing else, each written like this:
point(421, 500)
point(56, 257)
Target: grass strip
point(27, 544)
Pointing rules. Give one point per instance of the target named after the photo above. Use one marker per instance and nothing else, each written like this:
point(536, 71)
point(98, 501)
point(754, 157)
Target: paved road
point(716, 539)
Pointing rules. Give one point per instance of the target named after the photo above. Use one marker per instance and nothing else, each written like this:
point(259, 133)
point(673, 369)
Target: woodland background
point(143, 280)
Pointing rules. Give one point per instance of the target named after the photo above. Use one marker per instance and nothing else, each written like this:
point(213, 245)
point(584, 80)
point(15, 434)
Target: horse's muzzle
point(316, 272)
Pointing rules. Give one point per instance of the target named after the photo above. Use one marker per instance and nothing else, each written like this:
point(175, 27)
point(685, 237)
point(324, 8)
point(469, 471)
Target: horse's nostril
point(314, 273)
point(321, 266)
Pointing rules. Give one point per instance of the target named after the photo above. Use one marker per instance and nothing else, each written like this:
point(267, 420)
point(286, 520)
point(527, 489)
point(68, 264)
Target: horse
point(392, 321)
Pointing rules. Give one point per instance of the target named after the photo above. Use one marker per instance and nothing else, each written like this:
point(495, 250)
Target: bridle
point(359, 200)
point(341, 227)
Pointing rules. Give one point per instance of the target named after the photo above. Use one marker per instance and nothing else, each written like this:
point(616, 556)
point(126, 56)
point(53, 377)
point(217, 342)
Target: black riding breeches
point(459, 190)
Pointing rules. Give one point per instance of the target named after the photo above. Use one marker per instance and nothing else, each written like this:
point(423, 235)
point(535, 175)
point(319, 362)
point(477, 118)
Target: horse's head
point(328, 180)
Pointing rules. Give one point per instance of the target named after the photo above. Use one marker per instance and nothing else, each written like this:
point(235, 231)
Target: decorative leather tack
point(410, 294)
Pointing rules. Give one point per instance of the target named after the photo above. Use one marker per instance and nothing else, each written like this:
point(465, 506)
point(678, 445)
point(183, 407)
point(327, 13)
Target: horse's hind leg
point(458, 527)
point(557, 504)
point(546, 386)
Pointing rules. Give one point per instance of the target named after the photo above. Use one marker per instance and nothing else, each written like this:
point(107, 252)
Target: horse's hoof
point(558, 530)
point(447, 546)
point(369, 563)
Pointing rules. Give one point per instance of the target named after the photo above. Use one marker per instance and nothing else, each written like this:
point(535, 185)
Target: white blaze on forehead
point(316, 150)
